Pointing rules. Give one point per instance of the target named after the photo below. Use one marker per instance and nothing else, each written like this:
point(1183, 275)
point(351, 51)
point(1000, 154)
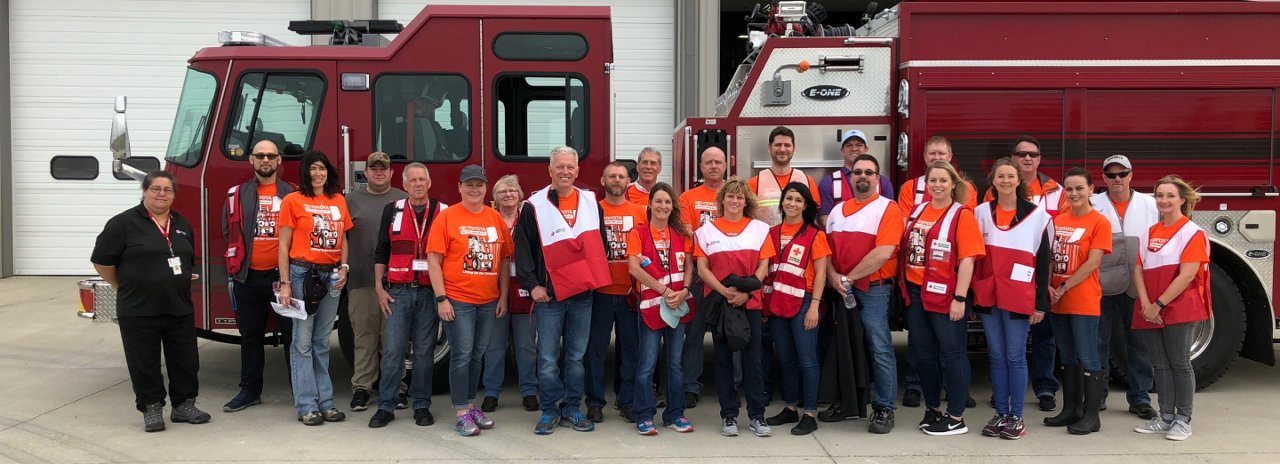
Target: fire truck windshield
point(191, 123)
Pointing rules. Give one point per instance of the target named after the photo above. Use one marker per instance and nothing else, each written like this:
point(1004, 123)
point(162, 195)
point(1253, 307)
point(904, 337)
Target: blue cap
point(851, 133)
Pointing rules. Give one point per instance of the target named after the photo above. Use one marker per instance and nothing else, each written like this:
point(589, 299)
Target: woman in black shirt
point(147, 254)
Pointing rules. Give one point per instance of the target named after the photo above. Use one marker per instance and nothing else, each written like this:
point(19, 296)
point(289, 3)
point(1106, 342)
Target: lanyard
point(419, 228)
point(662, 234)
point(163, 231)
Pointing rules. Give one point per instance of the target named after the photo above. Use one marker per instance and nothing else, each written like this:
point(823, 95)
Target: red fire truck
point(1179, 87)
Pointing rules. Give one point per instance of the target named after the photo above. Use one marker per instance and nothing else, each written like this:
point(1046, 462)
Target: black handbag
point(313, 291)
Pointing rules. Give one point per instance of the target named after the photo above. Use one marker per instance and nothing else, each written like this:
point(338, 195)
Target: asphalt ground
point(67, 398)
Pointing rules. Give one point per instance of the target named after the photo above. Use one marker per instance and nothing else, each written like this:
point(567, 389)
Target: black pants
point(253, 309)
point(143, 338)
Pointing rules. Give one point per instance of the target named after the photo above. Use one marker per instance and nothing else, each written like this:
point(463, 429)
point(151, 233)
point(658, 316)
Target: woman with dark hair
point(313, 226)
point(1010, 290)
point(793, 306)
point(147, 254)
point(658, 254)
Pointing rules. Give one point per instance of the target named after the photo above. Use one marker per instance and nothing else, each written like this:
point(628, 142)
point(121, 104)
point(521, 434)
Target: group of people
point(559, 274)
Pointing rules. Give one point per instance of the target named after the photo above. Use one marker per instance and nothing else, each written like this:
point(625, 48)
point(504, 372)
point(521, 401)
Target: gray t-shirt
point(366, 214)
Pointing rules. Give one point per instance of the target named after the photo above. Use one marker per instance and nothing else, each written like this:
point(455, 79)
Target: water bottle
point(334, 291)
point(850, 301)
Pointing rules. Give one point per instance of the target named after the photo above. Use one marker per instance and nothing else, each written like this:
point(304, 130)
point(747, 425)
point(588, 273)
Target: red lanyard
point(421, 229)
point(163, 231)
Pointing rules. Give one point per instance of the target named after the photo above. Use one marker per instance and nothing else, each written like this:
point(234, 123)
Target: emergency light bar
point(237, 38)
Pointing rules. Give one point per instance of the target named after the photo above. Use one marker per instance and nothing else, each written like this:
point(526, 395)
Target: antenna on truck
point(346, 31)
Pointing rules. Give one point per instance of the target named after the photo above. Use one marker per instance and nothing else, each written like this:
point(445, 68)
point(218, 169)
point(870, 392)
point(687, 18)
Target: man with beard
point(768, 184)
point(610, 303)
point(249, 229)
point(648, 166)
point(864, 233)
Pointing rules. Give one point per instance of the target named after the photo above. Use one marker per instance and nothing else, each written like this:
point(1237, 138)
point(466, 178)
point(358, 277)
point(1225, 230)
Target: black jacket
point(248, 222)
point(531, 269)
point(725, 320)
point(1044, 256)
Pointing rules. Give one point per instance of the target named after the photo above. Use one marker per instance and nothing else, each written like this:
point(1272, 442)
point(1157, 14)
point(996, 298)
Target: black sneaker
point(836, 413)
point(189, 413)
point(381, 418)
point(806, 426)
point(595, 414)
point(1048, 403)
point(244, 400)
point(153, 417)
point(911, 398)
point(490, 404)
point(947, 426)
point(1143, 411)
point(628, 413)
point(402, 401)
point(530, 403)
point(787, 416)
point(931, 416)
point(690, 400)
point(881, 421)
point(423, 418)
point(360, 400)
point(971, 403)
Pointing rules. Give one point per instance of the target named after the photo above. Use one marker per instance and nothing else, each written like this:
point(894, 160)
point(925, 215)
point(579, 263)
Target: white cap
point(851, 133)
point(1117, 159)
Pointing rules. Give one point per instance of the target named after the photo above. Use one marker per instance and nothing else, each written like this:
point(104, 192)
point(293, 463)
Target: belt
point(410, 285)
point(877, 283)
point(311, 265)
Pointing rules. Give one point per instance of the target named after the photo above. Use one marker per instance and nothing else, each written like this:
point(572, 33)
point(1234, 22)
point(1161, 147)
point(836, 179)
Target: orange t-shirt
point(569, 207)
point(1073, 238)
point(1004, 218)
point(618, 223)
point(635, 195)
point(732, 229)
point(1196, 251)
point(698, 206)
point(821, 249)
point(660, 243)
point(473, 246)
point(1121, 207)
point(266, 241)
point(889, 233)
point(967, 233)
point(782, 182)
point(907, 196)
point(319, 224)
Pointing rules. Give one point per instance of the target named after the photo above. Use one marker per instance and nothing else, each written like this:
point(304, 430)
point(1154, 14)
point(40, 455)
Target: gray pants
point(1170, 350)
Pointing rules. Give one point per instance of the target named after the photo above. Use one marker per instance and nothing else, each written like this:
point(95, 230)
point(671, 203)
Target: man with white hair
point(648, 166)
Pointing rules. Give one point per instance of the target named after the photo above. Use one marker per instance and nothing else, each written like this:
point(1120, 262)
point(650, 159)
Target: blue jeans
point(649, 342)
point(566, 322)
point(937, 337)
point(798, 350)
point(520, 331)
point(1041, 362)
point(1117, 312)
point(468, 334)
point(1007, 350)
point(309, 351)
point(695, 345)
point(875, 321)
point(752, 372)
point(605, 309)
point(413, 320)
point(1077, 339)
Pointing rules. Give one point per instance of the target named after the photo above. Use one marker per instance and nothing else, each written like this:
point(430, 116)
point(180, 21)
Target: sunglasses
point(860, 172)
point(266, 156)
point(1026, 154)
point(1117, 175)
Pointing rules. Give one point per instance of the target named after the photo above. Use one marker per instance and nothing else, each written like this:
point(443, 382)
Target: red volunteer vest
point(733, 255)
point(672, 276)
point(409, 242)
point(1160, 266)
point(939, 287)
point(235, 217)
point(784, 285)
point(574, 255)
point(518, 299)
point(769, 193)
point(1005, 278)
point(853, 237)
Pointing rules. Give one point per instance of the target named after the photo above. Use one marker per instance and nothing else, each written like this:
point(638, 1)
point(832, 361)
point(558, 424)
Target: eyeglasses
point(161, 190)
point(1026, 154)
point(507, 192)
point(266, 156)
point(1117, 175)
point(860, 172)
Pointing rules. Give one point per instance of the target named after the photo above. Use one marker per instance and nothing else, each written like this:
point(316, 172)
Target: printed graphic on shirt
point(706, 211)
point(327, 227)
point(915, 243)
point(617, 228)
point(482, 249)
point(268, 212)
point(569, 214)
point(1066, 248)
point(1154, 244)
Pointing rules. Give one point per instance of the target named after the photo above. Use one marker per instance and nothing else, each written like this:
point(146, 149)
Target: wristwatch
point(441, 298)
point(960, 299)
point(1159, 303)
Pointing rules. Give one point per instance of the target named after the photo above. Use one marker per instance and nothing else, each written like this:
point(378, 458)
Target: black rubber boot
point(1094, 381)
point(1072, 397)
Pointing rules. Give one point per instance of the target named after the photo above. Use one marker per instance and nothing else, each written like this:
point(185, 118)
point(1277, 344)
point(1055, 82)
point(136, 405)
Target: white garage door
point(69, 59)
point(644, 72)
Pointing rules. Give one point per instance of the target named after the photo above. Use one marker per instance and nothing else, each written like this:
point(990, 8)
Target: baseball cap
point(378, 157)
point(851, 133)
point(1117, 159)
point(473, 171)
point(672, 315)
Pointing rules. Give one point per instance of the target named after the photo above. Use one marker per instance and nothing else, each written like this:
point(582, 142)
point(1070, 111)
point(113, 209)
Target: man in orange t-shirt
point(648, 166)
point(612, 303)
point(698, 207)
point(937, 148)
point(768, 184)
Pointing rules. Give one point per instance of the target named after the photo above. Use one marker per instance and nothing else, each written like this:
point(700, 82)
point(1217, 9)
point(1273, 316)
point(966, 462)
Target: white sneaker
point(729, 426)
point(761, 428)
point(1179, 431)
point(1156, 425)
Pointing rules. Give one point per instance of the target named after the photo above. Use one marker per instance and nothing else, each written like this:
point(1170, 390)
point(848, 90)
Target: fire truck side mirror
point(120, 148)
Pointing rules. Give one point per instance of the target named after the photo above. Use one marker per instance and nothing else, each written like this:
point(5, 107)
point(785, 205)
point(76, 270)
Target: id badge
point(175, 263)
point(419, 265)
